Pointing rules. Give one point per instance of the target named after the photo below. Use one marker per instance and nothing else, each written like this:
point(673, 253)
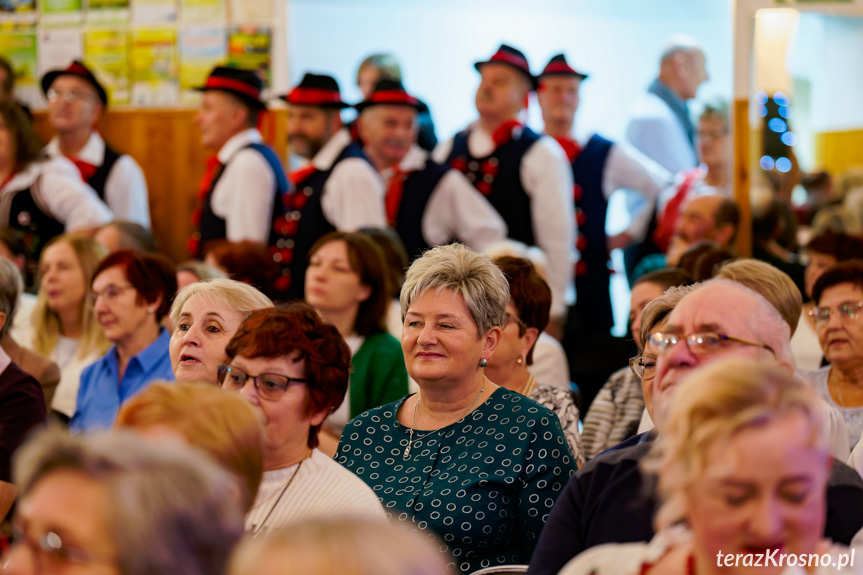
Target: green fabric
point(379, 375)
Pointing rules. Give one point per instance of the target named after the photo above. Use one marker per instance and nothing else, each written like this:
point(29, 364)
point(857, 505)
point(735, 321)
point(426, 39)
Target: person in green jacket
point(346, 283)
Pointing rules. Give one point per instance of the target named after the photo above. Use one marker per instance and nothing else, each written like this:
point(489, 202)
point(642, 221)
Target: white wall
point(617, 42)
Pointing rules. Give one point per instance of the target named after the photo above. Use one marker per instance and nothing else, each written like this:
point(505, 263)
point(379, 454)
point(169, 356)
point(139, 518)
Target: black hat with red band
point(318, 90)
point(76, 68)
point(558, 66)
point(513, 58)
point(244, 84)
point(390, 93)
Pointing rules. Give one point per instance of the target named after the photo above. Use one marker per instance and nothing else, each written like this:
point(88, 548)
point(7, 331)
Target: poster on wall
point(202, 11)
point(249, 49)
point(201, 49)
point(154, 11)
point(251, 10)
point(58, 47)
point(17, 14)
point(61, 12)
point(107, 12)
point(106, 53)
point(20, 50)
point(153, 59)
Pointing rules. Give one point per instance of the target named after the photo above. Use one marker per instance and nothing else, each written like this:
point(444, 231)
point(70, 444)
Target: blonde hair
point(46, 322)
point(457, 268)
point(771, 282)
point(235, 295)
point(712, 405)
point(221, 424)
point(343, 546)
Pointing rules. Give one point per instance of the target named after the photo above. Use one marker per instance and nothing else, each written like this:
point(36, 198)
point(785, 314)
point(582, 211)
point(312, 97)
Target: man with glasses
point(609, 500)
point(76, 101)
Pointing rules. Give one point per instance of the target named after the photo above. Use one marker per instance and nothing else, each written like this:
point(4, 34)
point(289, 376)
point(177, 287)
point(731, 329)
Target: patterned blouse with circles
point(485, 484)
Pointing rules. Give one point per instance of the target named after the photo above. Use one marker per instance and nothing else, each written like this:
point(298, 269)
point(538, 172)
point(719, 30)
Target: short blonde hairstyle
point(462, 271)
point(230, 293)
point(220, 423)
point(342, 546)
point(771, 282)
point(712, 405)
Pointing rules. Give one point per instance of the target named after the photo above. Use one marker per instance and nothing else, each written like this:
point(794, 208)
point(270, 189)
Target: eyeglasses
point(846, 311)
point(712, 134)
point(70, 96)
point(705, 343)
point(508, 318)
point(50, 550)
point(110, 293)
point(270, 386)
point(644, 367)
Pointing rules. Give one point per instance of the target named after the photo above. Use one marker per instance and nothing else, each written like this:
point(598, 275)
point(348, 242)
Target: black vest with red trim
point(213, 227)
point(32, 225)
point(98, 179)
point(306, 209)
point(592, 274)
point(418, 188)
point(502, 170)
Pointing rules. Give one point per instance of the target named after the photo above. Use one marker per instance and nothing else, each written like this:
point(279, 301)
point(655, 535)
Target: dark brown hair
point(151, 275)
point(529, 294)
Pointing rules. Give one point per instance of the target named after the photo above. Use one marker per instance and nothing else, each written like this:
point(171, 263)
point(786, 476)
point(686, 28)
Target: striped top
point(614, 414)
point(322, 489)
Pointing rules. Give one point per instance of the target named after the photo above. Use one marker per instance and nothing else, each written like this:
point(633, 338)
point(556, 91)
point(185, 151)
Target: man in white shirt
point(76, 101)
point(427, 203)
point(525, 176)
point(599, 167)
point(338, 188)
point(242, 188)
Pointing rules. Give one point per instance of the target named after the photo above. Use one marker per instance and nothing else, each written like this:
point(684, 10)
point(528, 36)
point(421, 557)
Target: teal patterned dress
point(484, 485)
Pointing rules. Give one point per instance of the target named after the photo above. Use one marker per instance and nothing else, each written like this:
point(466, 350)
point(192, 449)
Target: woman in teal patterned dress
point(475, 464)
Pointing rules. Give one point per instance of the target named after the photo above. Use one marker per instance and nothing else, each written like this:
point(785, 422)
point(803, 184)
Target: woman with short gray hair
point(137, 509)
point(462, 458)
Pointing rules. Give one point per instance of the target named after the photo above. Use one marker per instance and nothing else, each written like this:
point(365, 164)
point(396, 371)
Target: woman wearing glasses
point(293, 368)
point(131, 292)
point(838, 296)
point(509, 367)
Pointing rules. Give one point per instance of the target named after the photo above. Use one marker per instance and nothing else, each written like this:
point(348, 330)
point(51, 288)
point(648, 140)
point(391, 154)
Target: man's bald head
point(682, 66)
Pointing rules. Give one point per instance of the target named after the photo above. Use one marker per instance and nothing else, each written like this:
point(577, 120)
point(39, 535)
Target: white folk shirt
point(245, 192)
point(546, 177)
point(455, 208)
point(354, 191)
point(62, 193)
point(125, 187)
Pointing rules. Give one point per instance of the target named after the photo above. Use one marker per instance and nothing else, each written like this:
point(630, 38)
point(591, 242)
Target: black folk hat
point(513, 58)
point(390, 93)
point(558, 66)
point(244, 84)
point(76, 68)
point(318, 90)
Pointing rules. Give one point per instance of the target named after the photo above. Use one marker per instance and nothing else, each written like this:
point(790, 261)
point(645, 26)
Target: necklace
point(838, 389)
point(414, 421)
point(256, 529)
point(529, 386)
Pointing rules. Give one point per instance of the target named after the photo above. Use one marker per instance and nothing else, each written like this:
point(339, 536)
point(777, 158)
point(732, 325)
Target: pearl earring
point(483, 362)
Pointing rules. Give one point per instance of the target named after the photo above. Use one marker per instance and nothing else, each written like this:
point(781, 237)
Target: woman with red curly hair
point(293, 368)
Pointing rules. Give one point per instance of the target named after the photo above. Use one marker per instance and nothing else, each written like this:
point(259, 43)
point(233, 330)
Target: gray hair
point(170, 508)
point(235, 295)
point(10, 290)
point(657, 310)
point(680, 43)
point(457, 268)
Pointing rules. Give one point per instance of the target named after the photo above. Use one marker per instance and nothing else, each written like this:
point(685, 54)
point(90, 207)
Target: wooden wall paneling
point(166, 143)
point(742, 180)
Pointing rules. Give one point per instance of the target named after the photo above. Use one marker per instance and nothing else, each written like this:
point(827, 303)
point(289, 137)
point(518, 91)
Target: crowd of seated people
point(365, 368)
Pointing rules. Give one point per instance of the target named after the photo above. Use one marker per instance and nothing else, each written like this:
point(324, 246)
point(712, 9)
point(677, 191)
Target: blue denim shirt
point(100, 397)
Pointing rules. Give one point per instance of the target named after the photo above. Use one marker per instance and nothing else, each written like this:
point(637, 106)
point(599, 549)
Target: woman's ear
point(529, 338)
point(492, 338)
point(364, 293)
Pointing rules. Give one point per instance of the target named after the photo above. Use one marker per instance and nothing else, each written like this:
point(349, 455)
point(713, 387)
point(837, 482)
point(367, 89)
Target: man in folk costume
point(599, 167)
point(76, 101)
point(242, 189)
point(525, 176)
point(427, 203)
point(338, 189)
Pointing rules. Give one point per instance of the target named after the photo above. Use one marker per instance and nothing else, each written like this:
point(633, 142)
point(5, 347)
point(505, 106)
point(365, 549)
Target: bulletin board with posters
point(147, 53)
